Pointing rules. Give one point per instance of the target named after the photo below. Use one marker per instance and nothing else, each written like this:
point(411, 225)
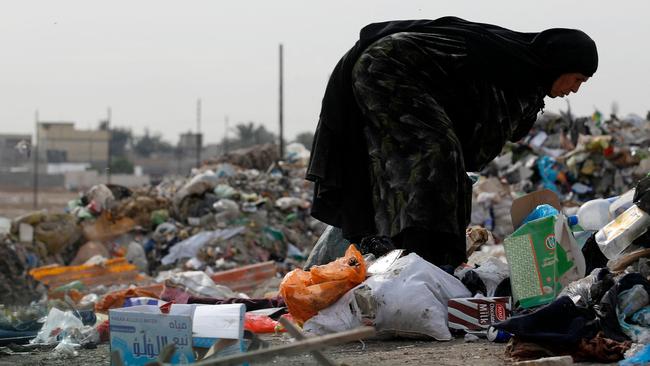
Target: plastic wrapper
point(306, 293)
point(189, 247)
point(580, 291)
point(260, 324)
point(65, 349)
point(116, 299)
point(57, 324)
point(491, 272)
point(198, 283)
point(539, 212)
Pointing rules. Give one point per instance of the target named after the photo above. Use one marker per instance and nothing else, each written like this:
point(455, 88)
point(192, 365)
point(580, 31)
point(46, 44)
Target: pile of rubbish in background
point(577, 158)
point(558, 259)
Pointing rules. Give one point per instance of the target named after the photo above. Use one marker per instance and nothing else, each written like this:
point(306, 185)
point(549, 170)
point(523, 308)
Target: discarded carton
point(139, 333)
point(477, 313)
point(542, 254)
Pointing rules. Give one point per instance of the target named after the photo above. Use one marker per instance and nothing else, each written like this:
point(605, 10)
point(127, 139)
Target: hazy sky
point(150, 60)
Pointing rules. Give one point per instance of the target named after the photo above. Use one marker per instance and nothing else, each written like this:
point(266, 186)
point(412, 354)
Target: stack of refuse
point(223, 235)
point(558, 256)
point(577, 158)
point(223, 216)
point(559, 285)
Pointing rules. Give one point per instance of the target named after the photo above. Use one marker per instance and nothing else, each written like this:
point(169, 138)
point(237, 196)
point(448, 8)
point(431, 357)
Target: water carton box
point(542, 254)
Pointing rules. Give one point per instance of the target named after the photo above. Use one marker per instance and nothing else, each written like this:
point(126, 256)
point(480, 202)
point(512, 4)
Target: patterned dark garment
point(427, 122)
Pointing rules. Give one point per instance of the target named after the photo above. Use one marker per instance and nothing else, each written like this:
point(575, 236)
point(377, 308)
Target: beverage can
point(498, 335)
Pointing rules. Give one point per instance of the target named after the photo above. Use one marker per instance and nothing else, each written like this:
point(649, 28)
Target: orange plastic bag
point(306, 293)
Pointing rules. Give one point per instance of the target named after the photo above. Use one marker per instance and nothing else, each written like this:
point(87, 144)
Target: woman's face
point(566, 84)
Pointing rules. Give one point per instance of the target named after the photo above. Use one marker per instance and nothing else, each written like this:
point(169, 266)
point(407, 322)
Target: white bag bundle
point(409, 299)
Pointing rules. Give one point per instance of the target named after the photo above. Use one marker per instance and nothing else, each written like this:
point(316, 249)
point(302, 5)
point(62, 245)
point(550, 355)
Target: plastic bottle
point(616, 236)
point(594, 214)
point(622, 203)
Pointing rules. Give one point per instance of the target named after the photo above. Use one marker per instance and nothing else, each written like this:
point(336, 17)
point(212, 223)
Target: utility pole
point(110, 138)
point(35, 152)
point(198, 133)
point(225, 135)
point(281, 103)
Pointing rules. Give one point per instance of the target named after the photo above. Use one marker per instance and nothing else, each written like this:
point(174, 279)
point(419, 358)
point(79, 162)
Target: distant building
point(188, 143)
point(60, 142)
point(15, 150)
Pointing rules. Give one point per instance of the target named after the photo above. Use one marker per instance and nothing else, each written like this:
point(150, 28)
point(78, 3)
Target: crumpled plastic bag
point(65, 349)
point(57, 324)
point(580, 291)
point(409, 299)
point(102, 196)
point(306, 293)
point(491, 272)
point(260, 324)
point(198, 185)
point(188, 248)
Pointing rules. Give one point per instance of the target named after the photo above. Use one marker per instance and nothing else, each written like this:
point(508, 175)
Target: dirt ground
point(376, 353)
point(14, 203)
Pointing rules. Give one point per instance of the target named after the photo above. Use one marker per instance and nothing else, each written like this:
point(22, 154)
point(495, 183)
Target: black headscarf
point(339, 158)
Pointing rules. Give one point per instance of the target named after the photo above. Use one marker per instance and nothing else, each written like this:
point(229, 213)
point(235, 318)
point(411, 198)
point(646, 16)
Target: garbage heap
point(556, 266)
point(577, 158)
point(221, 217)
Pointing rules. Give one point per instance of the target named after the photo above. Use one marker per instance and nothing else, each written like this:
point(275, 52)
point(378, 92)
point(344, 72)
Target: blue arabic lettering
point(136, 348)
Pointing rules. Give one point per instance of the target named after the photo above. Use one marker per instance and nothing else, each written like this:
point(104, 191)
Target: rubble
point(238, 231)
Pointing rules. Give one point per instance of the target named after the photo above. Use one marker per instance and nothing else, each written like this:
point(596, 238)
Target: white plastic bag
point(190, 246)
point(409, 299)
point(492, 272)
point(57, 323)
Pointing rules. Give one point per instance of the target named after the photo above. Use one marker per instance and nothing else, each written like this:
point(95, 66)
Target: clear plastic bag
point(57, 325)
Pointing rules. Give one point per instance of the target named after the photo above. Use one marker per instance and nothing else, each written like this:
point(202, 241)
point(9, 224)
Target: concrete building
point(15, 150)
point(189, 143)
point(60, 142)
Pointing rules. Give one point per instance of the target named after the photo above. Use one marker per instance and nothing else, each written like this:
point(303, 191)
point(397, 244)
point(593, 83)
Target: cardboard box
point(542, 254)
point(139, 333)
point(477, 314)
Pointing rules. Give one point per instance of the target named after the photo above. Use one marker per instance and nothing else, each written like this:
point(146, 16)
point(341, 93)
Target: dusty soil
point(14, 203)
point(376, 353)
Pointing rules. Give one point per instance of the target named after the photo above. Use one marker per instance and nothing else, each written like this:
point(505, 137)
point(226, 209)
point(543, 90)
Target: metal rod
point(281, 102)
point(110, 138)
point(298, 347)
point(297, 334)
point(225, 135)
point(198, 133)
point(35, 152)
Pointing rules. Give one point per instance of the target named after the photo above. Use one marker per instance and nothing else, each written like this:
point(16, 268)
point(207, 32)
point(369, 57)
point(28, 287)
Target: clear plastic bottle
point(616, 236)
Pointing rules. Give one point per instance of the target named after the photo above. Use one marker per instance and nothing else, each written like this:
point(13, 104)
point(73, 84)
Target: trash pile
point(192, 269)
point(222, 217)
point(577, 158)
